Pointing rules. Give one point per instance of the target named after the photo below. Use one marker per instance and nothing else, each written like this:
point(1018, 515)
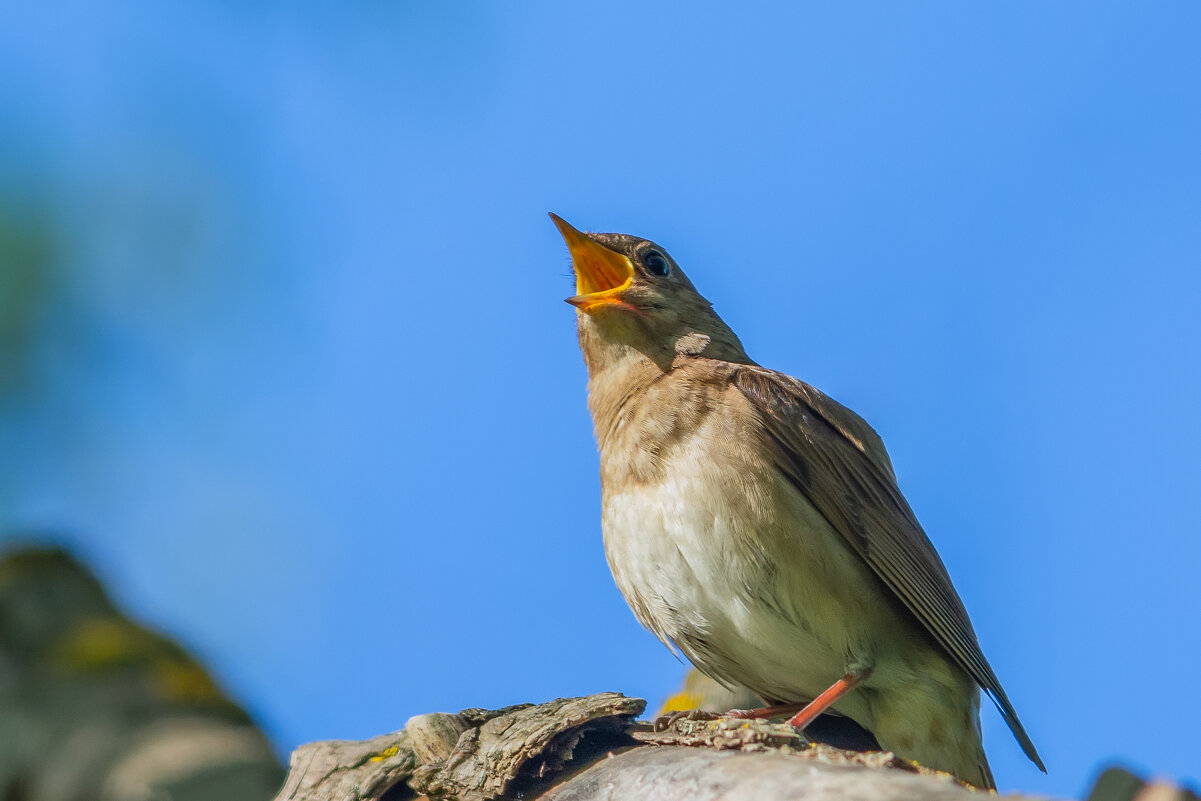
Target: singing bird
point(755, 524)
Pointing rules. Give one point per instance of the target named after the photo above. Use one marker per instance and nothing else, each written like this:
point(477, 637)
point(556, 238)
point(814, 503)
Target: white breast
point(722, 559)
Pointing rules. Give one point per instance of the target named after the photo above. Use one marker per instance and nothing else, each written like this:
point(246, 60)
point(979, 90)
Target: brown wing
point(832, 456)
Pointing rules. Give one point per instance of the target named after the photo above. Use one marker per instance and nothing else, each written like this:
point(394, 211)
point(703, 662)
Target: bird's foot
point(764, 713)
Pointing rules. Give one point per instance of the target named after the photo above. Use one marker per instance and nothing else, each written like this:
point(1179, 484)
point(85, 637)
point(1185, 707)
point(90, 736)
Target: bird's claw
point(744, 714)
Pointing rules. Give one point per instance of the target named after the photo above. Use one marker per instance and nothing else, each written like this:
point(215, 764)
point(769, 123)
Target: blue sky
point(308, 396)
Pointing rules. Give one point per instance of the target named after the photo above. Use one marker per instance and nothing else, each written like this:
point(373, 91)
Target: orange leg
point(824, 701)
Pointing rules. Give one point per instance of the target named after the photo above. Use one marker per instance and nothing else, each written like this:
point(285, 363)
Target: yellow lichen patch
point(390, 751)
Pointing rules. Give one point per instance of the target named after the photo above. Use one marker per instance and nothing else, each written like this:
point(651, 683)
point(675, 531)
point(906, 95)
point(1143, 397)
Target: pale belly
point(740, 573)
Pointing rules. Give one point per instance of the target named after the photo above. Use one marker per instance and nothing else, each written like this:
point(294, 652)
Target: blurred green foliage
point(93, 704)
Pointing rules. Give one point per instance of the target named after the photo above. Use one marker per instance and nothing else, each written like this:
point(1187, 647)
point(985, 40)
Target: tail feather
point(1019, 731)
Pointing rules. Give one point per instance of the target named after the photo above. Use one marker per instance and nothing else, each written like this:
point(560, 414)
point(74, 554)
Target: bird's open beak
point(601, 275)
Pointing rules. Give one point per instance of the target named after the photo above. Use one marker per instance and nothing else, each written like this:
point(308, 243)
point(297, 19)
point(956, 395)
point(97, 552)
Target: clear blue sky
point(308, 395)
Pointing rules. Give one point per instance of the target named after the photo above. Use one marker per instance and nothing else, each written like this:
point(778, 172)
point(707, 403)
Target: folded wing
point(839, 463)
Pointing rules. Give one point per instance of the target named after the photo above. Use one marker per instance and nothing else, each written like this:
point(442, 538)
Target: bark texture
point(593, 749)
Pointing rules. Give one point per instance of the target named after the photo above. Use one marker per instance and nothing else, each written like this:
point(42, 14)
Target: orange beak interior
point(601, 275)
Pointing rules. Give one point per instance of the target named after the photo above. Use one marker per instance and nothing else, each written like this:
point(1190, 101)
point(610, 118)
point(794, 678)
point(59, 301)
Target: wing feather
point(835, 458)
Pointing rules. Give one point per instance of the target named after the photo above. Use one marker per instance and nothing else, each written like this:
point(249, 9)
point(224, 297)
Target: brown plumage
point(756, 525)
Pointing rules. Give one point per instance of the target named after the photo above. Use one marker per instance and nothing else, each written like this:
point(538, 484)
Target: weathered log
point(592, 749)
point(579, 749)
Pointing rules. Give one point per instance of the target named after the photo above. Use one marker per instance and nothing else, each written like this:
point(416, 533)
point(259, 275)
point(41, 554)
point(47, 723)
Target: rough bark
point(580, 749)
point(589, 749)
point(474, 755)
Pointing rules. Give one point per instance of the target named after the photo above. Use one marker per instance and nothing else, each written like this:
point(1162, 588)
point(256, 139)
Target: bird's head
point(633, 299)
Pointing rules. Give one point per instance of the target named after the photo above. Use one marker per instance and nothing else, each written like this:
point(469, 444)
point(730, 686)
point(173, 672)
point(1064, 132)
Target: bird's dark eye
point(655, 263)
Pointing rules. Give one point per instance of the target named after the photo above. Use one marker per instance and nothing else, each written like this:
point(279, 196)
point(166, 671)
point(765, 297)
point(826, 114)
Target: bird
point(755, 525)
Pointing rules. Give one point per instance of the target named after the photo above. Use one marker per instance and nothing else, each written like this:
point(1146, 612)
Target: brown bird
point(755, 524)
